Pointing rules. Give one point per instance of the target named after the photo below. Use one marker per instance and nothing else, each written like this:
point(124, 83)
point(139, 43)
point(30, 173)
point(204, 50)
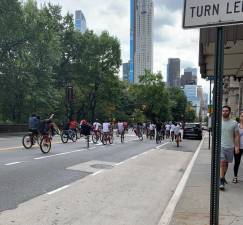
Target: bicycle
point(31, 139)
point(69, 134)
point(139, 134)
point(96, 136)
point(107, 137)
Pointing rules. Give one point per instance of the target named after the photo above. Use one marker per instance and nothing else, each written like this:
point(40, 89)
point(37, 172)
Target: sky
point(170, 40)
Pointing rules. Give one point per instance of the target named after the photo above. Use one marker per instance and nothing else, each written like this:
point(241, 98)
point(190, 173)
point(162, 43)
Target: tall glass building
point(141, 38)
point(80, 21)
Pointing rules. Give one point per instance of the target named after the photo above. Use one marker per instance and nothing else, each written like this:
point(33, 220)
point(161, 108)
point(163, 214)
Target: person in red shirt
point(73, 124)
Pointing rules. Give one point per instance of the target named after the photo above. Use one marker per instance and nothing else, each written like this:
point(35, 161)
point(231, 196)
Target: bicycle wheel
point(95, 138)
point(73, 135)
point(64, 137)
point(111, 139)
point(140, 136)
point(104, 139)
point(45, 145)
point(27, 141)
point(157, 139)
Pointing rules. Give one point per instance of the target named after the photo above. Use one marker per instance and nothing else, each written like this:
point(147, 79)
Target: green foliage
point(41, 54)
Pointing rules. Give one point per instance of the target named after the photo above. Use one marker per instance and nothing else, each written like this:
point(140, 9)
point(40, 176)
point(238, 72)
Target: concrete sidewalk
point(194, 205)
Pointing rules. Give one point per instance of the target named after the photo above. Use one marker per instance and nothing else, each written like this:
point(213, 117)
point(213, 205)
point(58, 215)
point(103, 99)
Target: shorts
point(227, 154)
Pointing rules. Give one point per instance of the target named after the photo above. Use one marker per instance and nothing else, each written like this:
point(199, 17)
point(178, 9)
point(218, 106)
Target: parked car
point(193, 130)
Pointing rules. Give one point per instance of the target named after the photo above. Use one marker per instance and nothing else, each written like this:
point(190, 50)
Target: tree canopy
point(41, 54)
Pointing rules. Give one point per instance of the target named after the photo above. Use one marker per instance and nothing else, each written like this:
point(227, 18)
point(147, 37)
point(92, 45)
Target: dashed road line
point(59, 154)
point(13, 163)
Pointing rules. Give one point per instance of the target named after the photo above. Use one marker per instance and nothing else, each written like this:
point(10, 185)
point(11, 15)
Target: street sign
point(212, 13)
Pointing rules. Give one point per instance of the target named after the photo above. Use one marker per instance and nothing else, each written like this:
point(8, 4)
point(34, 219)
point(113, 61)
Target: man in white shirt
point(96, 125)
point(177, 131)
point(106, 127)
point(167, 130)
point(172, 132)
point(120, 127)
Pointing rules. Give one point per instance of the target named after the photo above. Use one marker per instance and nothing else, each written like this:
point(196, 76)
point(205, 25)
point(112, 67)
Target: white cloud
point(114, 16)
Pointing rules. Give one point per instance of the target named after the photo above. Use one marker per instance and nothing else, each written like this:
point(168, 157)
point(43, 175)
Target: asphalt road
point(25, 174)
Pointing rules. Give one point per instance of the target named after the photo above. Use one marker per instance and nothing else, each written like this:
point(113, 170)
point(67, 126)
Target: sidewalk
point(194, 205)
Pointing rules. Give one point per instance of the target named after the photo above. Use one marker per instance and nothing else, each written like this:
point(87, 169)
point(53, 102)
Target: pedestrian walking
point(229, 143)
point(237, 157)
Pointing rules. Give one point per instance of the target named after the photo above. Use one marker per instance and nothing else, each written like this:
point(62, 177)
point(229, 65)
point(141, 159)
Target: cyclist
point(120, 127)
point(158, 126)
point(33, 124)
point(73, 124)
point(167, 130)
point(152, 127)
point(85, 127)
point(97, 128)
point(177, 132)
point(172, 132)
point(106, 127)
point(46, 125)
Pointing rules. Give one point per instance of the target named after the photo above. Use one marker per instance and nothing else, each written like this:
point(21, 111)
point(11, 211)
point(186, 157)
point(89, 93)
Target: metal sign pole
point(210, 114)
point(216, 128)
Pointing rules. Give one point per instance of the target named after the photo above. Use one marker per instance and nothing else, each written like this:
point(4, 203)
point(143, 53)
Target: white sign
point(212, 13)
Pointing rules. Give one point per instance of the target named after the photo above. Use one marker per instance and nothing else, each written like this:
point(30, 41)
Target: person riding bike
point(33, 124)
point(96, 126)
point(158, 126)
point(106, 127)
point(46, 125)
point(167, 130)
point(172, 132)
point(152, 127)
point(177, 132)
point(85, 127)
point(120, 127)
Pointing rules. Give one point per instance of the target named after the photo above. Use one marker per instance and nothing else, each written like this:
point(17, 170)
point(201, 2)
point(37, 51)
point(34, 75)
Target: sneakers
point(222, 184)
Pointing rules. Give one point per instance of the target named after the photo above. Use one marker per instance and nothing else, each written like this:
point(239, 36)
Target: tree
point(190, 114)
point(152, 96)
point(178, 103)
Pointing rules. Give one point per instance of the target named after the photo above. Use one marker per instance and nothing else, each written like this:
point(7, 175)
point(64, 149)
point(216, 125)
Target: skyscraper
point(141, 38)
point(80, 21)
point(126, 68)
point(173, 72)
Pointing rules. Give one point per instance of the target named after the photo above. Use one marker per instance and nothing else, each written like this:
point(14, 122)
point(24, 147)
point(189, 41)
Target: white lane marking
point(57, 190)
point(13, 163)
point(92, 148)
point(59, 154)
point(98, 172)
point(158, 147)
point(169, 211)
point(99, 144)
